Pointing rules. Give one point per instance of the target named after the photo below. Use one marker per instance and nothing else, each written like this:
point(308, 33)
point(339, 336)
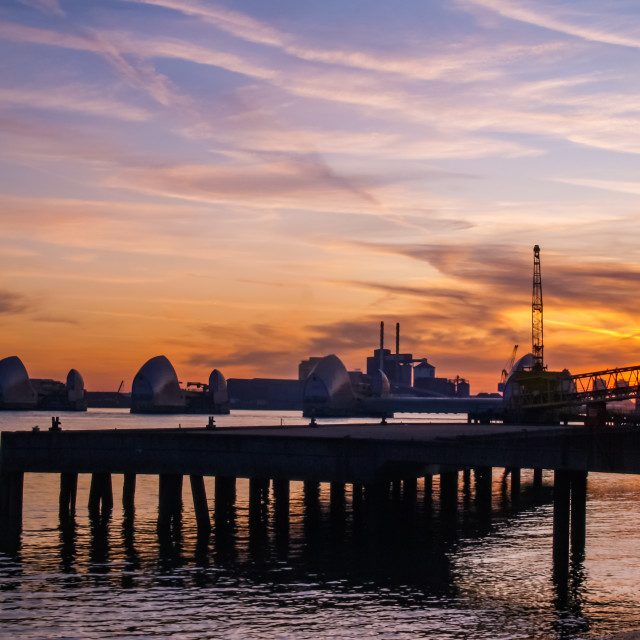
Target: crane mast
point(537, 345)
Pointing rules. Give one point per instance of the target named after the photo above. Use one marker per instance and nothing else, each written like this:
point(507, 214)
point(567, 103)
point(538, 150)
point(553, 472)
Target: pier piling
point(129, 493)
point(169, 501)
point(100, 494)
point(515, 485)
point(578, 514)
point(200, 506)
point(11, 485)
point(561, 506)
point(68, 493)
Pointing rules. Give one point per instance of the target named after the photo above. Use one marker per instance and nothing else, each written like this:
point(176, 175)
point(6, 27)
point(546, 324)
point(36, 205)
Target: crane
point(537, 345)
point(507, 369)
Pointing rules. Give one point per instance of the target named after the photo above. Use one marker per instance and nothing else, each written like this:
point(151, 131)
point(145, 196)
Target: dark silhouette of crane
point(537, 343)
point(507, 369)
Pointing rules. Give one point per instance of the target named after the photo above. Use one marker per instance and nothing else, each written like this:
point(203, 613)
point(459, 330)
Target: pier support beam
point(515, 485)
point(448, 492)
point(409, 489)
point(68, 493)
point(129, 493)
point(100, 495)
point(224, 515)
point(561, 506)
point(428, 488)
point(537, 479)
point(258, 514)
point(225, 497)
point(169, 501)
point(578, 514)
point(281, 496)
point(11, 484)
point(200, 506)
point(484, 496)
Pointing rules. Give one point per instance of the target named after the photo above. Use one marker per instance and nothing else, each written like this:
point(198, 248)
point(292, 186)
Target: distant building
point(155, 389)
point(397, 367)
point(423, 370)
point(18, 391)
point(306, 367)
point(406, 373)
point(265, 393)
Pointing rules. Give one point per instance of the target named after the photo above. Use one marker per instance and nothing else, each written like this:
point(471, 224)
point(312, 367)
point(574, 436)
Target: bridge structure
point(592, 391)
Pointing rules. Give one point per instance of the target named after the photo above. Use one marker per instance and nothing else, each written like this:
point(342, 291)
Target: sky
point(242, 185)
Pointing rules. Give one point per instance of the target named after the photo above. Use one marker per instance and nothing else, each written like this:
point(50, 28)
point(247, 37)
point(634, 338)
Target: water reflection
point(419, 549)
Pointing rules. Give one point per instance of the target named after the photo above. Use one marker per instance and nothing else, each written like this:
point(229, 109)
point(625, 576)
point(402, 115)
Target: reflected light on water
point(332, 561)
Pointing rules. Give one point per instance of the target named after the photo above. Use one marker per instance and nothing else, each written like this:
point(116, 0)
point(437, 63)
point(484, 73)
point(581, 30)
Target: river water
point(331, 570)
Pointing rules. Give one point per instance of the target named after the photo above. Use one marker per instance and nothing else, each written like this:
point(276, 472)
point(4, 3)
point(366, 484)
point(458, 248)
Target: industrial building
point(409, 375)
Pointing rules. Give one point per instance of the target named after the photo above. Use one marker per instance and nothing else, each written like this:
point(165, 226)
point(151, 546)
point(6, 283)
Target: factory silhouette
point(156, 387)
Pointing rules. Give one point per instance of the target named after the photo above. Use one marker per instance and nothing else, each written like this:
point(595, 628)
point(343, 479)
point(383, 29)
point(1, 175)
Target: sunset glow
point(243, 185)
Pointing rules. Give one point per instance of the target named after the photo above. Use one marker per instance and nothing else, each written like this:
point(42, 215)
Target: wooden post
point(129, 493)
point(225, 497)
point(410, 489)
point(281, 493)
point(11, 485)
point(336, 496)
point(258, 492)
point(561, 502)
point(100, 494)
point(68, 492)
point(515, 485)
point(537, 479)
point(200, 506)
point(484, 494)
point(337, 505)
point(448, 491)
point(356, 495)
point(578, 514)
point(169, 500)
point(224, 516)
point(428, 488)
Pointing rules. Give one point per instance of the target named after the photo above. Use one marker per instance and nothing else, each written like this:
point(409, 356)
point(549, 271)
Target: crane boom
point(537, 344)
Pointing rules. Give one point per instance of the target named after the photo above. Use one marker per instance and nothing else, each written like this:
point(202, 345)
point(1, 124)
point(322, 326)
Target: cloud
point(91, 101)
point(551, 17)
point(466, 65)
point(53, 319)
point(288, 182)
point(12, 303)
point(617, 186)
point(46, 6)
point(497, 107)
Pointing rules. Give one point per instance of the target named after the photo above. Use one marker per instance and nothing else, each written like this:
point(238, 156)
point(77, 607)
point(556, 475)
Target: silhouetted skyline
point(243, 185)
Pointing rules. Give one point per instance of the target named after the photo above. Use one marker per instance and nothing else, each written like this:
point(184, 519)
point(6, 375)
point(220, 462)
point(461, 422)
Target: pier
point(374, 458)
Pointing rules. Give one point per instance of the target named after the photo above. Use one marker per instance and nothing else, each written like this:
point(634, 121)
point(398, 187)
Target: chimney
point(397, 372)
point(382, 346)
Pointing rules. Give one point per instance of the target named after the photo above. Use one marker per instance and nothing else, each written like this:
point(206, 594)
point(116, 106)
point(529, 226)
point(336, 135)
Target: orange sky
point(241, 188)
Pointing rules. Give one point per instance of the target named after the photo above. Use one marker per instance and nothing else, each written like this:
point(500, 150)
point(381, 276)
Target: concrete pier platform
point(353, 453)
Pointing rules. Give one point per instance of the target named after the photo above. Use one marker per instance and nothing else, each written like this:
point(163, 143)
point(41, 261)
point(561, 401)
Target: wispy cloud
point(564, 18)
point(13, 303)
point(632, 188)
point(76, 98)
point(47, 6)
point(454, 66)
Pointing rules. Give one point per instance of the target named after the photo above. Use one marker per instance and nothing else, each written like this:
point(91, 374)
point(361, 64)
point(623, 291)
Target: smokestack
point(382, 346)
point(397, 353)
